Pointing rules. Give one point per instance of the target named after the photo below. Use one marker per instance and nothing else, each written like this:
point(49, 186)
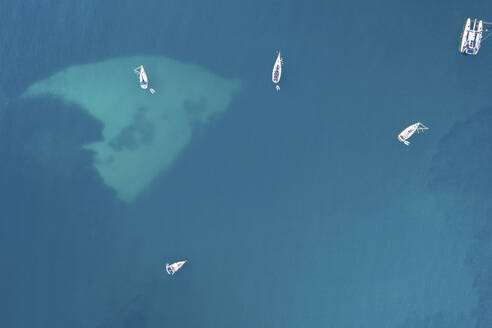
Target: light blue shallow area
point(295, 209)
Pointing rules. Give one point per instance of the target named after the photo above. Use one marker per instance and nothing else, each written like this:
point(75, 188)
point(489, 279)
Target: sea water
point(294, 209)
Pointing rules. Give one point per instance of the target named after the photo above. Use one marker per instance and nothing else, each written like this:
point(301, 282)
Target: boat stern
point(169, 269)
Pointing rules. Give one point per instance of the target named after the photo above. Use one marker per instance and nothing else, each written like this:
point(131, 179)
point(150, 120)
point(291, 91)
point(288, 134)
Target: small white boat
point(409, 131)
point(152, 91)
point(277, 71)
point(144, 81)
point(171, 269)
point(473, 36)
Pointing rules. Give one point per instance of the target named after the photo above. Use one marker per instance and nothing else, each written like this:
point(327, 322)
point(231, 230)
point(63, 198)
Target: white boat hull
point(144, 81)
point(171, 269)
point(277, 71)
point(471, 37)
point(464, 35)
point(409, 131)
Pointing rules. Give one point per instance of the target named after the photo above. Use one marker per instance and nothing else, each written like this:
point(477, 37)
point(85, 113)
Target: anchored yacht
point(171, 269)
point(409, 131)
point(144, 81)
point(277, 71)
point(473, 36)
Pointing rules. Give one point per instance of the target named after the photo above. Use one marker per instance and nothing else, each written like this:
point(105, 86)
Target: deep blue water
point(296, 209)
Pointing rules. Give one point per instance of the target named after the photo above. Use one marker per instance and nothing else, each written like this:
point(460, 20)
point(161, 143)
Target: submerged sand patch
point(143, 133)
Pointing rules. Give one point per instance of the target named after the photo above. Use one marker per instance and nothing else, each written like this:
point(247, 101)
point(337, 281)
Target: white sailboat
point(171, 269)
point(409, 131)
point(144, 81)
point(277, 71)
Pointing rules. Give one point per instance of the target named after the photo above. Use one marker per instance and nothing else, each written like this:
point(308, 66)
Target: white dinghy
point(409, 131)
point(171, 269)
point(277, 71)
point(144, 81)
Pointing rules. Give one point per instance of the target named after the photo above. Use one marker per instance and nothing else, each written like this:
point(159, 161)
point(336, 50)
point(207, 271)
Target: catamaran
point(409, 131)
point(144, 81)
point(171, 269)
point(277, 71)
point(473, 36)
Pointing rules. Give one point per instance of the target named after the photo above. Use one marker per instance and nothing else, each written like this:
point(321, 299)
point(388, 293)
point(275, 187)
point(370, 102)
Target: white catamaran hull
point(478, 39)
point(277, 71)
point(464, 35)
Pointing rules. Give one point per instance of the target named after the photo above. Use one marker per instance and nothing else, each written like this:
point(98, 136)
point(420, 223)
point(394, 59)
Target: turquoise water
point(295, 209)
